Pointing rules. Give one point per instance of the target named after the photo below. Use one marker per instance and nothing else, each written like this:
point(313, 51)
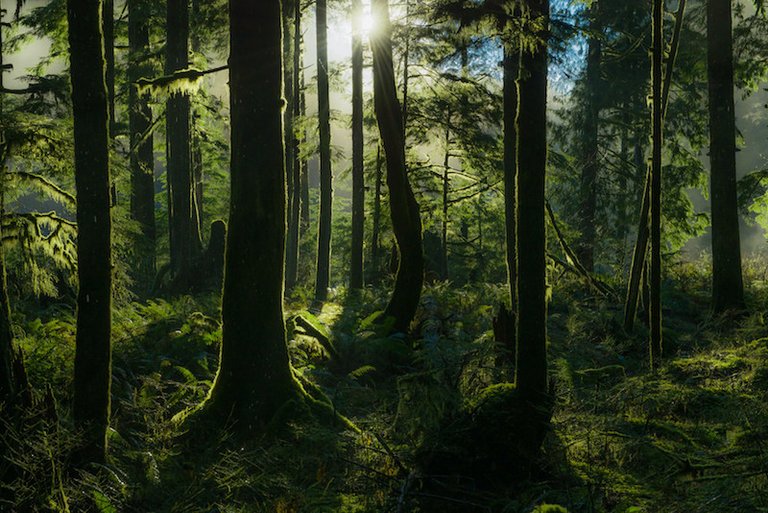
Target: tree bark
point(254, 378)
point(184, 223)
point(142, 162)
point(91, 124)
point(727, 281)
point(406, 220)
point(657, 142)
point(358, 176)
point(531, 368)
point(589, 157)
point(108, 20)
point(322, 279)
point(446, 190)
point(292, 53)
point(375, 271)
point(510, 79)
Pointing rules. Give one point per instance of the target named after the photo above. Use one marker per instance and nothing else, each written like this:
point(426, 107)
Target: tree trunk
point(184, 224)
point(375, 271)
point(254, 378)
point(511, 77)
point(196, 162)
point(358, 176)
point(655, 183)
point(322, 279)
point(589, 144)
point(91, 124)
point(406, 220)
point(108, 20)
point(142, 162)
point(727, 282)
point(446, 190)
point(531, 369)
point(294, 164)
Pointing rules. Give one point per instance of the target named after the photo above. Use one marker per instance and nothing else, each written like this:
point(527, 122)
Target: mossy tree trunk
point(358, 172)
point(374, 271)
point(531, 369)
point(727, 281)
point(94, 300)
point(184, 223)
point(142, 162)
point(406, 219)
point(254, 377)
point(322, 278)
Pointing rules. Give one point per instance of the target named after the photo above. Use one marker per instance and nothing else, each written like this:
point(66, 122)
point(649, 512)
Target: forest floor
point(691, 437)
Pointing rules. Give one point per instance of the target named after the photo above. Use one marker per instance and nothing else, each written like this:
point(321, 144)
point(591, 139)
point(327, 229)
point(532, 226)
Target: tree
point(254, 377)
point(510, 77)
point(406, 220)
point(657, 141)
point(727, 282)
point(292, 50)
point(108, 27)
point(322, 279)
point(589, 145)
point(183, 216)
point(142, 143)
point(94, 298)
point(531, 369)
point(358, 176)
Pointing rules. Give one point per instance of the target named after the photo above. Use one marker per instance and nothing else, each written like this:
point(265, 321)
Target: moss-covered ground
point(691, 437)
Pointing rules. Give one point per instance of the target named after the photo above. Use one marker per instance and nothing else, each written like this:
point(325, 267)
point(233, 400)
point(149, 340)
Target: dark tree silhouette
point(322, 279)
point(727, 281)
point(657, 141)
point(90, 108)
point(531, 369)
point(292, 52)
point(358, 176)
point(406, 220)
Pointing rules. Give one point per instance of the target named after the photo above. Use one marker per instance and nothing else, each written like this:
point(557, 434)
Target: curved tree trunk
point(254, 377)
point(94, 269)
point(322, 279)
point(358, 177)
point(142, 162)
point(727, 281)
point(531, 369)
point(406, 220)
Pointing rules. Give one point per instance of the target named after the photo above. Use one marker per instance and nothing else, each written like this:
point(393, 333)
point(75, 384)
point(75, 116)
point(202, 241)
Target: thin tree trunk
point(590, 148)
point(406, 220)
point(727, 281)
point(294, 164)
point(197, 164)
point(446, 190)
point(375, 272)
point(322, 279)
point(254, 378)
point(643, 233)
point(511, 77)
point(531, 368)
point(358, 171)
point(655, 185)
point(90, 108)
point(108, 20)
point(142, 162)
point(304, 171)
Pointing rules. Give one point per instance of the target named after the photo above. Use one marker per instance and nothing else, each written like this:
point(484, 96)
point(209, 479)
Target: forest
point(384, 256)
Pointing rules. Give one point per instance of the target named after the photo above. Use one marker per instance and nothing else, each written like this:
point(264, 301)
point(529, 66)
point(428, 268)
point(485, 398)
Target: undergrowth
point(690, 437)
